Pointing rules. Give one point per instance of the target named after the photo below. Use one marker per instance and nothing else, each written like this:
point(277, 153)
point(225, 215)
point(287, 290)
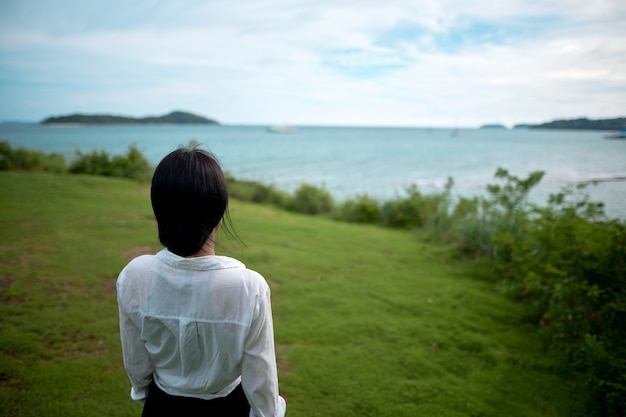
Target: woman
point(196, 328)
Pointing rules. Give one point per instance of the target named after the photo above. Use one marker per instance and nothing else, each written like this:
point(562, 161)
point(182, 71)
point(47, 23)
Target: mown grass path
point(368, 321)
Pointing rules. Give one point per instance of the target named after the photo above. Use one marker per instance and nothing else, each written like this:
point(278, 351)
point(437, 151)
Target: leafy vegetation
point(30, 160)
point(132, 165)
point(565, 262)
point(568, 265)
point(310, 199)
point(257, 192)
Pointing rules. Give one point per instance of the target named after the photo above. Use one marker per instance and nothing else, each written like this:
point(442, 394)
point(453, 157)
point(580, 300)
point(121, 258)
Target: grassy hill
point(369, 321)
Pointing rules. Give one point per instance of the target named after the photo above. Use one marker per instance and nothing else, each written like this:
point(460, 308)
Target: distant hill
point(176, 117)
point(493, 126)
point(585, 124)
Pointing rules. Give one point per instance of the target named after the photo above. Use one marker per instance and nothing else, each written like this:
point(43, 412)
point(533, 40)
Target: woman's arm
point(136, 358)
point(259, 376)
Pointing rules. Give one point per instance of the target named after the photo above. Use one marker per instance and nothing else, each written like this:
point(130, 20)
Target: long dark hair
point(189, 198)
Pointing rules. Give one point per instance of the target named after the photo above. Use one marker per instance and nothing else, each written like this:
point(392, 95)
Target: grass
point(368, 321)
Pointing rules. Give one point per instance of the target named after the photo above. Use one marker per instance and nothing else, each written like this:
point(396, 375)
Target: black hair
point(189, 198)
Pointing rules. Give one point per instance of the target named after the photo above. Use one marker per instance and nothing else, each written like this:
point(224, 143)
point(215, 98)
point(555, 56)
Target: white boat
point(282, 129)
point(619, 135)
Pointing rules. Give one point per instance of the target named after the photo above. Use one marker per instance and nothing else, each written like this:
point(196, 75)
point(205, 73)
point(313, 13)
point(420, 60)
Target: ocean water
point(380, 162)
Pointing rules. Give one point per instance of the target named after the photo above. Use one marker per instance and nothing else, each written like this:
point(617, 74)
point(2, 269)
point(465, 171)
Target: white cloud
point(366, 62)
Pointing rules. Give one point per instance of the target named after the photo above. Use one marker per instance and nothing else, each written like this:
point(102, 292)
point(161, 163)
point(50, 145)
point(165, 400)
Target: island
point(584, 124)
point(493, 126)
point(175, 117)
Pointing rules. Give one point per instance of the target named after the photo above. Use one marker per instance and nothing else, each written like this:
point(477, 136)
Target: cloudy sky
point(324, 62)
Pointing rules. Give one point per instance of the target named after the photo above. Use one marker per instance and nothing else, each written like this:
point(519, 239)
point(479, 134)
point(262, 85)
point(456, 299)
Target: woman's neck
point(208, 249)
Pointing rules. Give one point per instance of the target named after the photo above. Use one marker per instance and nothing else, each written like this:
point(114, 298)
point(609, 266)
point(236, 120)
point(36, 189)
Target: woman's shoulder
point(140, 262)
point(137, 267)
point(250, 276)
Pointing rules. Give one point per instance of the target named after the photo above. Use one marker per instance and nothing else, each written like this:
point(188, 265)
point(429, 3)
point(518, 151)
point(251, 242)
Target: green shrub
point(428, 211)
point(567, 263)
point(310, 199)
point(6, 154)
point(132, 165)
point(94, 162)
point(572, 270)
point(30, 160)
point(361, 209)
point(499, 219)
point(257, 192)
point(403, 212)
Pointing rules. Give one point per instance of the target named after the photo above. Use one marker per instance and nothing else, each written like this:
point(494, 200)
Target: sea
point(378, 161)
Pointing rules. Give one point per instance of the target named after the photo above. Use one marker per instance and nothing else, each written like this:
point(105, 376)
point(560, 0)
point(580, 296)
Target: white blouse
point(198, 327)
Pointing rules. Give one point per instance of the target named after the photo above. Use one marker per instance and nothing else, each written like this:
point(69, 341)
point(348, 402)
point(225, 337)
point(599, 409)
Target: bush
point(492, 224)
point(310, 199)
point(361, 209)
point(5, 156)
point(257, 192)
point(133, 165)
point(95, 162)
point(429, 211)
point(403, 212)
point(571, 269)
point(30, 160)
point(567, 263)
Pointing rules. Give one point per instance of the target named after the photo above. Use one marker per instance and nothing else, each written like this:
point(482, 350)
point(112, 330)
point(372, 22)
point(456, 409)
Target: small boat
point(619, 135)
point(282, 129)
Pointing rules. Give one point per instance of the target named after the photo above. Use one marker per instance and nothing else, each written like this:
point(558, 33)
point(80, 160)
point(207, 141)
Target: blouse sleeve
point(259, 377)
point(137, 361)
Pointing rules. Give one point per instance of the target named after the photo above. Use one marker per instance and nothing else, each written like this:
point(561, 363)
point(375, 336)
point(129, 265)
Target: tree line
point(584, 124)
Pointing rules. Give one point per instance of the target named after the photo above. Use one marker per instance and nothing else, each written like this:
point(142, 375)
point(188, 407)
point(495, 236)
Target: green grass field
point(369, 321)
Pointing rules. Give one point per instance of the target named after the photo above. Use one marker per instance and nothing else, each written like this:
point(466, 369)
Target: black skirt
point(162, 404)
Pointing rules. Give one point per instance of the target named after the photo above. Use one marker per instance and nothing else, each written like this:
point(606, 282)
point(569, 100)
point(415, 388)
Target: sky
point(426, 63)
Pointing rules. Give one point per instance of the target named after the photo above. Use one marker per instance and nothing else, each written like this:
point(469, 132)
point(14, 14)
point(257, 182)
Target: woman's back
point(194, 315)
point(196, 328)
